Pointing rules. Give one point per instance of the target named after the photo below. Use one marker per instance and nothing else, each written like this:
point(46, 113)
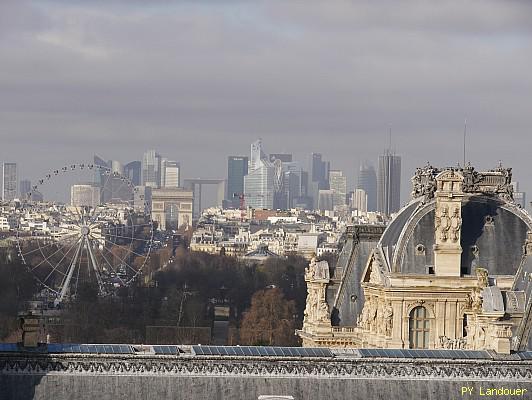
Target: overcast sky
point(201, 80)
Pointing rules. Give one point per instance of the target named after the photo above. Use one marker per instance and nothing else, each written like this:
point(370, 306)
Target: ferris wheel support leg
point(94, 266)
point(66, 282)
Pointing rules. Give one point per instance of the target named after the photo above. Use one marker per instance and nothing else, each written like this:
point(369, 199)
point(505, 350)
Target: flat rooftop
point(204, 351)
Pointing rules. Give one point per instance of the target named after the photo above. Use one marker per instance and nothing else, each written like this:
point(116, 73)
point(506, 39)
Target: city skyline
point(362, 179)
point(116, 79)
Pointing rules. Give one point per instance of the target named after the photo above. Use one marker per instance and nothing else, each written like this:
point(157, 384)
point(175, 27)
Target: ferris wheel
point(84, 223)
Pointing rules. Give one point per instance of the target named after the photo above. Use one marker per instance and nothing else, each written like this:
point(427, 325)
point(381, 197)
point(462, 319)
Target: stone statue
point(417, 186)
point(316, 308)
point(455, 225)
point(388, 318)
point(317, 270)
point(379, 321)
point(369, 313)
point(482, 277)
point(363, 317)
point(476, 299)
point(372, 315)
point(309, 271)
point(323, 311)
point(375, 276)
point(443, 224)
point(322, 270)
point(309, 304)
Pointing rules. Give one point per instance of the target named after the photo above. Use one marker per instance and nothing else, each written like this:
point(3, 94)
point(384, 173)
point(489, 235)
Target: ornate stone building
point(452, 270)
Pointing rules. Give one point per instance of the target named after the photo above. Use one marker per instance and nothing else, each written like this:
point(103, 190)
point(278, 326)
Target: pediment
point(450, 175)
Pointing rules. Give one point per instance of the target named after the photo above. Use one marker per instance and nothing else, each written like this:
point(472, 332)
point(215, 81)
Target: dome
point(493, 231)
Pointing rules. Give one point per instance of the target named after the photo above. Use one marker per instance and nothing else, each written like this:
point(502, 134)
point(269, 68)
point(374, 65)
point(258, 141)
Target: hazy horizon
point(200, 82)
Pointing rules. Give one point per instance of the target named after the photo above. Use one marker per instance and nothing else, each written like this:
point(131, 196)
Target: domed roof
point(493, 233)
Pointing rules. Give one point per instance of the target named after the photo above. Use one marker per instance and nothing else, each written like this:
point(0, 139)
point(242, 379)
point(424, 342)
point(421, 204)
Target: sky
point(201, 80)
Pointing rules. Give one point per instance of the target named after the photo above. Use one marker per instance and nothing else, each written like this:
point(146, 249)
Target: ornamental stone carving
point(443, 224)
point(528, 244)
point(455, 225)
point(317, 270)
point(317, 313)
point(454, 344)
point(375, 274)
point(482, 277)
point(424, 183)
point(367, 319)
point(475, 300)
point(493, 182)
point(388, 320)
point(73, 365)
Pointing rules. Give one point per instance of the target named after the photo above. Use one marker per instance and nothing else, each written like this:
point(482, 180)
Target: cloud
point(208, 78)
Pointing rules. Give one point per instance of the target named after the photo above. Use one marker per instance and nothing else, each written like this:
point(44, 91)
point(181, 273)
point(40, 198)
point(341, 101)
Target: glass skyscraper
point(132, 171)
point(367, 181)
point(151, 169)
point(259, 182)
point(389, 183)
point(237, 168)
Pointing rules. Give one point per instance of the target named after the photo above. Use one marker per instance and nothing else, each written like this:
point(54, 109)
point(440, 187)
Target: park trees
point(270, 320)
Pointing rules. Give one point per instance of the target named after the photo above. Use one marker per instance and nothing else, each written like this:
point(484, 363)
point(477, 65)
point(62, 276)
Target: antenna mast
point(390, 138)
point(465, 131)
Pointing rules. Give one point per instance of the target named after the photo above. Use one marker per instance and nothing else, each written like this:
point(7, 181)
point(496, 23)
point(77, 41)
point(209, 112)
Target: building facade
point(450, 271)
point(170, 174)
point(25, 188)
point(338, 184)
point(171, 208)
point(84, 195)
point(359, 201)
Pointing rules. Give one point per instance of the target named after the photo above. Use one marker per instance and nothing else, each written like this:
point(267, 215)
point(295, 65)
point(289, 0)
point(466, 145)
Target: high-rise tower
point(8, 181)
point(259, 182)
point(170, 174)
point(338, 184)
point(237, 169)
point(132, 171)
point(151, 169)
point(389, 183)
point(367, 181)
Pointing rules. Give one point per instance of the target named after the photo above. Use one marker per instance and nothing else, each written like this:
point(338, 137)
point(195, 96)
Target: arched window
point(419, 326)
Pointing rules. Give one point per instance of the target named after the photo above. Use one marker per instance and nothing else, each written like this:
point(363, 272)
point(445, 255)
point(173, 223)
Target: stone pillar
point(440, 319)
point(397, 328)
point(448, 223)
point(317, 318)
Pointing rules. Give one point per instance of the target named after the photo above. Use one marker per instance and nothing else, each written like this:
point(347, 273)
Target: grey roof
point(493, 234)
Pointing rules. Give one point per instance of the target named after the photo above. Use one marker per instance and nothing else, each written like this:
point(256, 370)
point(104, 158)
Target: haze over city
point(269, 199)
point(200, 82)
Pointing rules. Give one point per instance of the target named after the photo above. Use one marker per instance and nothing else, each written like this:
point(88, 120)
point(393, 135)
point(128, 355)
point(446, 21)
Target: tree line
point(266, 300)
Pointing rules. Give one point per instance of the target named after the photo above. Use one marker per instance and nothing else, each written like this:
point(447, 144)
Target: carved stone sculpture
point(388, 318)
point(482, 277)
point(476, 300)
point(455, 225)
point(375, 276)
point(443, 224)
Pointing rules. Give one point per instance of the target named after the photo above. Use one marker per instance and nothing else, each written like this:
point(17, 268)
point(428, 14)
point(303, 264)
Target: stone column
point(317, 319)
point(397, 328)
point(448, 223)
